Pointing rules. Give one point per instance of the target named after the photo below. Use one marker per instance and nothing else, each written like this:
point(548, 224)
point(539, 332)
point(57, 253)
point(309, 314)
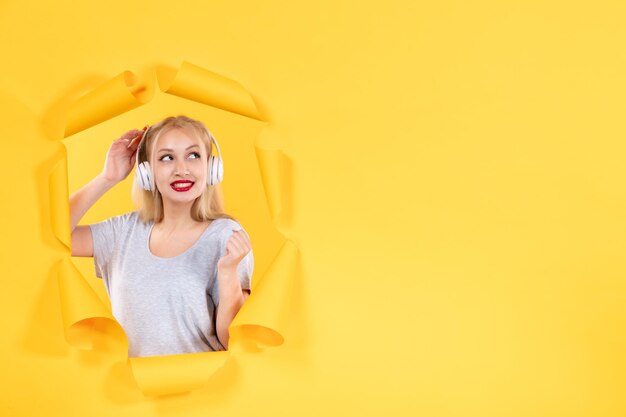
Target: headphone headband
point(141, 143)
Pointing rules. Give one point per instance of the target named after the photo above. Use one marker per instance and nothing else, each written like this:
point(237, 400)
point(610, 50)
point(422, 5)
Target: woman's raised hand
point(121, 156)
point(237, 247)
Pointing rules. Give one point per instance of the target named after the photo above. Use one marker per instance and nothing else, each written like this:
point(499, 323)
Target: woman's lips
point(181, 186)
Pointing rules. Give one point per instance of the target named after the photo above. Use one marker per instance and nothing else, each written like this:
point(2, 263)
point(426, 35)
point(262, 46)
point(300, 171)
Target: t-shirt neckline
point(180, 255)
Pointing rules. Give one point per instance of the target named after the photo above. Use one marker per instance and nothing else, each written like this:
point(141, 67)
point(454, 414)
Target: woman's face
point(179, 166)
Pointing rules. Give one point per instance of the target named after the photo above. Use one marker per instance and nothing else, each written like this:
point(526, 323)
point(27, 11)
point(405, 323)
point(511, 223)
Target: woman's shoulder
point(130, 220)
point(127, 218)
point(120, 219)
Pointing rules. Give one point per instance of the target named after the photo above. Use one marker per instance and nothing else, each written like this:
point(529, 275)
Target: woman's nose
point(181, 168)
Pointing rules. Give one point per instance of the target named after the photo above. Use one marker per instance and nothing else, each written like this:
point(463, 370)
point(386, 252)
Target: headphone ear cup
point(139, 177)
point(150, 180)
point(215, 170)
point(209, 171)
point(143, 175)
point(220, 170)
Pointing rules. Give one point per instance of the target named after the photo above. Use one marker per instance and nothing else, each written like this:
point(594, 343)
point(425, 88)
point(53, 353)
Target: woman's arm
point(231, 298)
point(86, 197)
point(231, 295)
point(119, 162)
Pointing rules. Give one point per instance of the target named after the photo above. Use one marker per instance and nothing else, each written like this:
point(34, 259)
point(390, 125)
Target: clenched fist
point(237, 247)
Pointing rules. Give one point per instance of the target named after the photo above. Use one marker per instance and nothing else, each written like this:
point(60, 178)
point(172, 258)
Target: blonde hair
point(208, 206)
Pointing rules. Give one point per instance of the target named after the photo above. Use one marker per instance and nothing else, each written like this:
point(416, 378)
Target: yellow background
point(458, 200)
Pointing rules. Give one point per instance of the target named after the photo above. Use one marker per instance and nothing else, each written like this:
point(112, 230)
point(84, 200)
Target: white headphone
point(145, 179)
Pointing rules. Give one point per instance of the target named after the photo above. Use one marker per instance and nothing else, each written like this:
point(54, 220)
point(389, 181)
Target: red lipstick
point(181, 185)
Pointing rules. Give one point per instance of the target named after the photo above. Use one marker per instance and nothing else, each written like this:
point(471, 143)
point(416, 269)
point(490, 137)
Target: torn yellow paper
point(273, 167)
point(59, 202)
point(81, 307)
point(204, 86)
point(262, 319)
point(114, 97)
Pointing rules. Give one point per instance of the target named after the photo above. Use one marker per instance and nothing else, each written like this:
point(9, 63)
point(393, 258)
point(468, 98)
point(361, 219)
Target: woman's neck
point(177, 216)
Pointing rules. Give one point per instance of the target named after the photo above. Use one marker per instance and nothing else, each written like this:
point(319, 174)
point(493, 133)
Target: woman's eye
point(168, 157)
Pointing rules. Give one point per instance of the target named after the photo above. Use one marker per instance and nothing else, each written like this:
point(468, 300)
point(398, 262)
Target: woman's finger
point(233, 249)
point(131, 134)
point(242, 241)
point(233, 241)
point(244, 236)
point(135, 142)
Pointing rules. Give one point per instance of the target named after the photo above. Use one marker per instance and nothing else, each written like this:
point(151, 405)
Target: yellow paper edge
point(261, 320)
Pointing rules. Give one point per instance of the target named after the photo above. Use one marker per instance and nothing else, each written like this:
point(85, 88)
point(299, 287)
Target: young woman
point(178, 269)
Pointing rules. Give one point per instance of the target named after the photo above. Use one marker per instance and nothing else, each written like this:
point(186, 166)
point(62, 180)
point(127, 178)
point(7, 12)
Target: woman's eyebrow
point(172, 150)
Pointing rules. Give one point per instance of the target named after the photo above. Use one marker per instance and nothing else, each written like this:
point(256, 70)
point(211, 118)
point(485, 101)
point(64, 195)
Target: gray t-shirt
point(165, 305)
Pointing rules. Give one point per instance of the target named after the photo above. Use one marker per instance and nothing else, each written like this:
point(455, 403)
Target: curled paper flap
point(274, 170)
point(265, 314)
point(174, 374)
point(204, 86)
point(59, 202)
point(116, 96)
point(81, 308)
